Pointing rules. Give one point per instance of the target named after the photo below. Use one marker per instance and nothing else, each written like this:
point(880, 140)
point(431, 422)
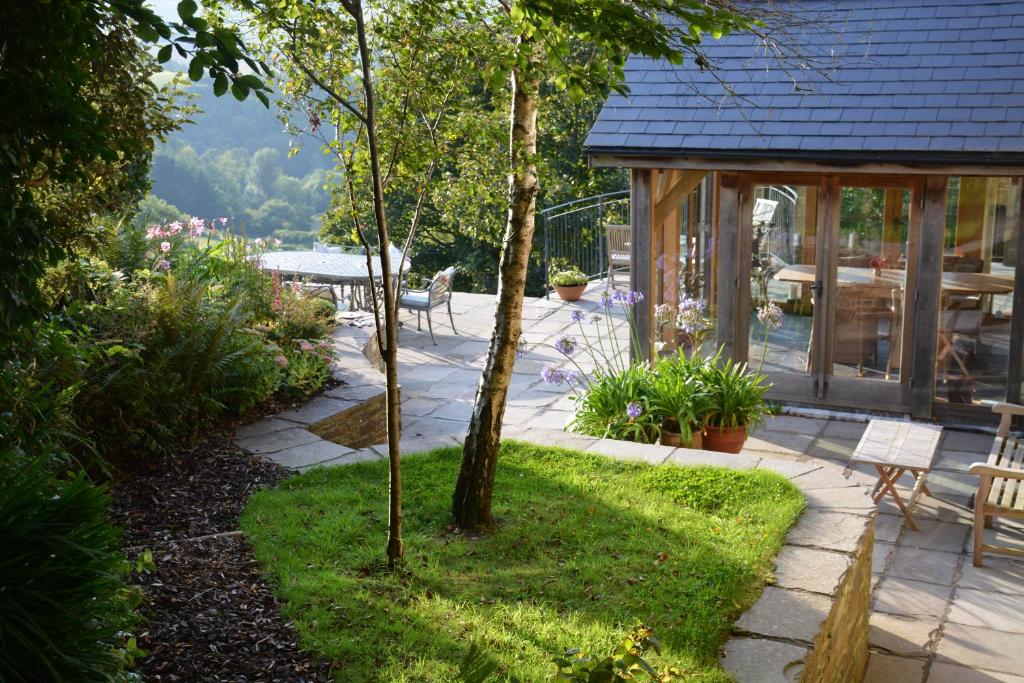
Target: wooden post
point(928, 294)
point(640, 200)
point(970, 216)
point(892, 237)
point(1015, 369)
point(728, 261)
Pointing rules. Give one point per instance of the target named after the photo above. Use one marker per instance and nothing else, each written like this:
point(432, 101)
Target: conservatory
point(876, 206)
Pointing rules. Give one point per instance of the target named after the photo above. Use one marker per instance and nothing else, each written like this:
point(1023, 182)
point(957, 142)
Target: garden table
point(324, 268)
point(896, 448)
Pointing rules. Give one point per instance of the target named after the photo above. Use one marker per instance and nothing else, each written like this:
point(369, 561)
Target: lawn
point(586, 547)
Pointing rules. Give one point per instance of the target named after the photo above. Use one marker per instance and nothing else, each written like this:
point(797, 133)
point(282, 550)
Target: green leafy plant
point(302, 317)
point(736, 395)
point(63, 605)
point(677, 396)
point(574, 277)
point(306, 369)
point(626, 663)
point(615, 405)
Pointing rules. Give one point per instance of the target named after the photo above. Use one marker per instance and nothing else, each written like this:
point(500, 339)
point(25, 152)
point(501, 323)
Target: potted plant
point(736, 404)
point(569, 284)
point(677, 398)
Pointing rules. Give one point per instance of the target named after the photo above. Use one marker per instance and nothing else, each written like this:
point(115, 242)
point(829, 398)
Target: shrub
point(172, 357)
point(63, 606)
point(615, 405)
point(573, 277)
point(307, 368)
point(302, 317)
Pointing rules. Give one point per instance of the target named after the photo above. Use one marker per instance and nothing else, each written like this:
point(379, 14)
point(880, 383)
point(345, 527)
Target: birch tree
point(545, 32)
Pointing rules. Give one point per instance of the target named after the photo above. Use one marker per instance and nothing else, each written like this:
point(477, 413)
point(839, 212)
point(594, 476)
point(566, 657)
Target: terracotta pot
point(671, 438)
point(696, 440)
point(725, 439)
point(572, 293)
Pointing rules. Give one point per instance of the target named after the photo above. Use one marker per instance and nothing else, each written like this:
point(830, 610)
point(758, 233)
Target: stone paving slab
point(310, 454)
point(830, 530)
point(889, 669)
point(921, 564)
point(998, 575)
point(982, 648)
point(943, 672)
point(905, 636)
point(1001, 612)
point(789, 614)
point(627, 450)
point(755, 660)
point(694, 457)
point(273, 442)
point(810, 569)
point(320, 408)
point(909, 598)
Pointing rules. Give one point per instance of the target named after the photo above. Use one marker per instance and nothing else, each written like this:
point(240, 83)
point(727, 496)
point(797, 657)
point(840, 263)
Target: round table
point(324, 268)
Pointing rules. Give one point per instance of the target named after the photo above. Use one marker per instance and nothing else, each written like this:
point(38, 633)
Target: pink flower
point(296, 287)
point(153, 231)
point(174, 228)
point(165, 247)
point(196, 226)
point(306, 346)
point(277, 242)
point(282, 361)
point(222, 221)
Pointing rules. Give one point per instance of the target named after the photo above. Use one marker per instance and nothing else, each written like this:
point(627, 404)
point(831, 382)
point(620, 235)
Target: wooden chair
point(1001, 487)
point(619, 256)
point(437, 293)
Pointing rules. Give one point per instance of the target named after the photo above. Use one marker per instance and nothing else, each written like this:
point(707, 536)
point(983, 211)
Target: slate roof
point(912, 81)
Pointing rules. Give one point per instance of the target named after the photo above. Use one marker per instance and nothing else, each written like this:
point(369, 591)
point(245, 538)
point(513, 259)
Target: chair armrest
point(1008, 409)
point(985, 470)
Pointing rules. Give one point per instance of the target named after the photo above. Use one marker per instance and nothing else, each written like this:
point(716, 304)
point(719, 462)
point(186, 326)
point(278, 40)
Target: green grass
point(586, 546)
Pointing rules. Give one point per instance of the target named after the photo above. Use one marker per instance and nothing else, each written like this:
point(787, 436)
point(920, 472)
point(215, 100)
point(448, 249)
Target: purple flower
point(618, 296)
point(633, 298)
point(565, 345)
point(576, 316)
point(634, 410)
point(521, 348)
point(552, 375)
point(164, 264)
point(771, 316)
point(606, 300)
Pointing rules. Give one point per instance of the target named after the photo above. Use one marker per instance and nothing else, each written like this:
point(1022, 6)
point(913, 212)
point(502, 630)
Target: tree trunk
point(471, 503)
point(389, 343)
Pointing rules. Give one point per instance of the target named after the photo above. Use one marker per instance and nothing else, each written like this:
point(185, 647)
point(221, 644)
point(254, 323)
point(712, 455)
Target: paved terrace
point(935, 617)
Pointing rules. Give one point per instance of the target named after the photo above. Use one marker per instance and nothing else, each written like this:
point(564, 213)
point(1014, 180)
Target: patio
point(933, 616)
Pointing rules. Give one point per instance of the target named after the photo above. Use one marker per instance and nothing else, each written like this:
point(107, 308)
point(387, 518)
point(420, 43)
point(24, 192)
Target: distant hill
point(233, 161)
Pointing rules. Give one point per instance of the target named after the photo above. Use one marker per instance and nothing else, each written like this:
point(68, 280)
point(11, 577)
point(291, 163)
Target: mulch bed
point(209, 616)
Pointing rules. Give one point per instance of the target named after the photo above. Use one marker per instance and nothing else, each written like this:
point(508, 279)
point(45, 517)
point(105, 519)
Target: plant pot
point(671, 438)
point(696, 440)
point(960, 390)
point(725, 439)
point(570, 293)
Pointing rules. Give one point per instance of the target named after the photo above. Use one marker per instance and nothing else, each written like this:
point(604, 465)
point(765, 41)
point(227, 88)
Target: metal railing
point(574, 233)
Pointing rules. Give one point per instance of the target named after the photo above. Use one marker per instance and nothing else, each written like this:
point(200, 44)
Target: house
point(875, 198)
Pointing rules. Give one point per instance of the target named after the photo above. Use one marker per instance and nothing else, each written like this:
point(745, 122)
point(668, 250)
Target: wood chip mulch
point(208, 614)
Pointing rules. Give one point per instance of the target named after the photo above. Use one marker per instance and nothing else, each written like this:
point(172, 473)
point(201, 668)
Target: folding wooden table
point(896, 448)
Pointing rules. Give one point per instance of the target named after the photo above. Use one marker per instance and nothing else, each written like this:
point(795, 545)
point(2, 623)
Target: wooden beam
point(782, 165)
point(640, 200)
point(670, 200)
point(1015, 369)
point(927, 296)
point(728, 261)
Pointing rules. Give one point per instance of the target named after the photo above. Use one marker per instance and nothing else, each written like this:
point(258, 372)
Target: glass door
point(831, 261)
point(871, 272)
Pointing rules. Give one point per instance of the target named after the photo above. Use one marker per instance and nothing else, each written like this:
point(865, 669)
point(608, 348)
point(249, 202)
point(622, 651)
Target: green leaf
point(187, 9)
point(220, 85)
point(262, 97)
point(195, 68)
point(251, 81)
point(239, 91)
point(147, 33)
point(164, 54)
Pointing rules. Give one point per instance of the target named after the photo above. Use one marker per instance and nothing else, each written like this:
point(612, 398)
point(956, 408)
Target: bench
point(1001, 486)
point(895, 449)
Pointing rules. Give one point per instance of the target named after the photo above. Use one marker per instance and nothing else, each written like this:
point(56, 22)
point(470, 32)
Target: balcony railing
point(574, 233)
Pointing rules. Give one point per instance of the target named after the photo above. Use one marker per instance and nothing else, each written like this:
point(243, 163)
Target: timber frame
point(661, 187)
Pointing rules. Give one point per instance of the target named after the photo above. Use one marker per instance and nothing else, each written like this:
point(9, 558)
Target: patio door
point(831, 262)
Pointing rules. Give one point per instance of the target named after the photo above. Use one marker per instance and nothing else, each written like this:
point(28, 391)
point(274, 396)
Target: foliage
point(573, 277)
point(307, 368)
point(626, 663)
point(588, 546)
point(302, 317)
point(76, 132)
point(603, 408)
point(736, 395)
point(63, 606)
point(677, 395)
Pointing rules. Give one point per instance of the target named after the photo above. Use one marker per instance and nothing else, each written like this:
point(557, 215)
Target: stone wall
point(811, 624)
point(363, 424)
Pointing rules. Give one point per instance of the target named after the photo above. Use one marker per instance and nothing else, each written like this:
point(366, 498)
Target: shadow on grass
point(586, 546)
